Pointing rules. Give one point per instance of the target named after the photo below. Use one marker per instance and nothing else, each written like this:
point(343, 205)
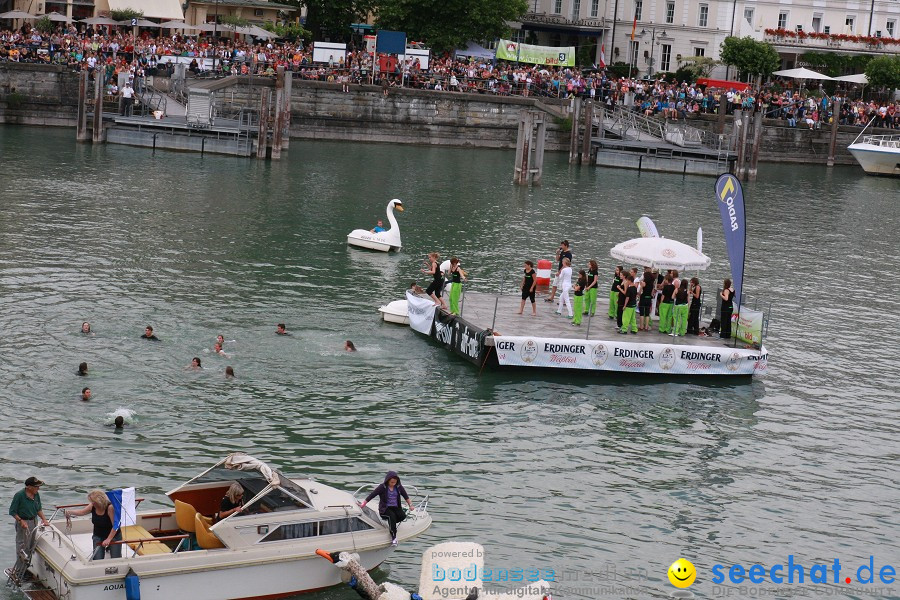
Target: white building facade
point(667, 31)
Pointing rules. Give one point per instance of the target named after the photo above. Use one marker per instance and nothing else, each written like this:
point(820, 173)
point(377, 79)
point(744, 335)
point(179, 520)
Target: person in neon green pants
point(457, 276)
point(665, 305)
point(681, 308)
point(628, 319)
point(578, 306)
point(614, 294)
point(593, 280)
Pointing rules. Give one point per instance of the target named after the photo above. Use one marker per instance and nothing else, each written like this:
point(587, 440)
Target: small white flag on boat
point(124, 504)
point(421, 313)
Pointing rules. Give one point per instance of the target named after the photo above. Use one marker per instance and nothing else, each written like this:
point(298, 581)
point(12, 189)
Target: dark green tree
point(331, 19)
point(448, 24)
point(44, 24)
point(125, 14)
point(884, 72)
point(749, 56)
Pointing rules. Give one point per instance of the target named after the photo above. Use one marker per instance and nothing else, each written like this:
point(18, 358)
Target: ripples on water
point(562, 472)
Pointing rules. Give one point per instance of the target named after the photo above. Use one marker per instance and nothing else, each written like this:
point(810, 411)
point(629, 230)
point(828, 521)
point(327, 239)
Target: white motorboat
point(266, 551)
point(878, 154)
point(383, 241)
point(395, 312)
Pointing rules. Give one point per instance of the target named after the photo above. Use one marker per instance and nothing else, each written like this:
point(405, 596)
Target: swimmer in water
point(148, 334)
point(86, 328)
point(280, 329)
point(82, 369)
point(415, 289)
point(229, 372)
point(220, 339)
point(86, 394)
point(349, 347)
point(119, 422)
point(195, 364)
point(217, 349)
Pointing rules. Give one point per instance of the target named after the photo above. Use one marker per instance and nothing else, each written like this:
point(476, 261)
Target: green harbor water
point(565, 472)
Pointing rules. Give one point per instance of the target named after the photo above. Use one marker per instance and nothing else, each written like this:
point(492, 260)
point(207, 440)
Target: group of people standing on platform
point(633, 299)
point(454, 274)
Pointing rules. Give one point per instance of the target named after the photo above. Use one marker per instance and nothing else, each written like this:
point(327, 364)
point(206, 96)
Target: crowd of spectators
point(116, 50)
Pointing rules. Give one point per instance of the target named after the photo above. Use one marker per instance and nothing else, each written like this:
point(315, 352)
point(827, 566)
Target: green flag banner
point(538, 55)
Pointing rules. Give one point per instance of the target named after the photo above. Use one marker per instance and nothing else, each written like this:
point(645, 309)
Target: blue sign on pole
point(731, 206)
point(390, 42)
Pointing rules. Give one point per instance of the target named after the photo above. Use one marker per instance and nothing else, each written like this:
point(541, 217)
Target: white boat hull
point(395, 312)
point(227, 581)
point(877, 160)
point(371, 241)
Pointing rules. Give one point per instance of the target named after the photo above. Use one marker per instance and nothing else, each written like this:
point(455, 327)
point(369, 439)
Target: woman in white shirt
point(565, 284)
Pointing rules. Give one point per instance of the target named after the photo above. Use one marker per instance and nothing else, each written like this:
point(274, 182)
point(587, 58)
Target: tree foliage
point(694, 67)
point(233, 22)
point(125, 14)
point(884, 72)
point(447, 24)
point(44, 24)
point(288, 31)
point(331, 19)
point(749, 56)
point(834, 64)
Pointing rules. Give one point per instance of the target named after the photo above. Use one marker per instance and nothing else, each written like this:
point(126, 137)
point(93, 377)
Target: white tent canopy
point(154, 9)
point(801, 73)
point(58, 18)
point(17, 14)
point(100, 21)
point(661, 253)
point(859, 78)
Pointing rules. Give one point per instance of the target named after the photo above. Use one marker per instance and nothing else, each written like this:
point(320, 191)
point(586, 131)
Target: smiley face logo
point(682, 573)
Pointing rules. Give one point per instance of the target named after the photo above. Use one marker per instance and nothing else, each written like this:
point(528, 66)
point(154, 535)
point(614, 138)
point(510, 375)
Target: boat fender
point(132, 586)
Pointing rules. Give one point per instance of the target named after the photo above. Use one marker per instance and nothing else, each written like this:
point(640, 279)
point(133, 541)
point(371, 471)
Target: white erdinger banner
point(629, 357)
point(421, 313)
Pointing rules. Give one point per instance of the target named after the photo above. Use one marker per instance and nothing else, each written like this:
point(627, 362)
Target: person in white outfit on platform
point(565, 284)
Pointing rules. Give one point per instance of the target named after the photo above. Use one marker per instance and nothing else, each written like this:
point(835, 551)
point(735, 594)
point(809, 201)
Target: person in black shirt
point(614, 294)
point(148, 334)
point(694, 292)
point(645, 302)
point(681, 308)
point(666, 302)
point(593, 284)
point(629, 296)
point(529, 284)
point(727, 309)
point(103, 516)
point(437, 284)
point(620, 297)
point(578, 308)
point(562, 253)
point(233, 502)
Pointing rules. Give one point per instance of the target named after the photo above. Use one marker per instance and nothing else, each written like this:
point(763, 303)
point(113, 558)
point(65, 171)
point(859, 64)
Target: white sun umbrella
point(256, 32)
point(859, 78)
point(801, 73)
point(660, 253)
point(177, 25)
point(100, 21)
point(18, 14)
point(55, 16)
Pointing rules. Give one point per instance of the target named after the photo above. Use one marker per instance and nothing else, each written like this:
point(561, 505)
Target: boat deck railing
point(884, 141)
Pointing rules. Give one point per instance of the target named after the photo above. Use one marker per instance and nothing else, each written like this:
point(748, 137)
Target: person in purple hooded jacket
point(389, 508)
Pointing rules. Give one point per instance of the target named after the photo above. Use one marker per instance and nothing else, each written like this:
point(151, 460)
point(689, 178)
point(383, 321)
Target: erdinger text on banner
point(628, 357)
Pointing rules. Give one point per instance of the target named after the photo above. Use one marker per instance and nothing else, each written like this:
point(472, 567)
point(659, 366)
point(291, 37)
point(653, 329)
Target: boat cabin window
point(295, 531)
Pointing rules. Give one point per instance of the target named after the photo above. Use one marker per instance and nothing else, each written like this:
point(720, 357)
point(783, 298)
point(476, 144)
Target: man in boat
point(25, 509)
point(379, 227)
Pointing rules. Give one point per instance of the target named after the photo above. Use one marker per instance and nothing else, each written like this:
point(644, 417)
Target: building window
point(850, 22)
point(748, 15)
point(826, 29)
point(638, 9)
point(782, 19)
point(258, 12)
point(634, 53)
point(817, 22)
point(703, 21)
point(699, 51)
point(891, 27)
point(557, 7)
point(518, 36)
point(595, 7)
point(576, 10)
point(670, 12)
point(799, 28)
point(665, 59)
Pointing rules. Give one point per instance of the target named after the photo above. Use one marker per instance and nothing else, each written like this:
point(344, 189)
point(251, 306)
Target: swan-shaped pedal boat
point(383, 241)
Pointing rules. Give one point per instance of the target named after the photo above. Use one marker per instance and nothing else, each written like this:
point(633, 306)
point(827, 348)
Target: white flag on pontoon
point(421, 313)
